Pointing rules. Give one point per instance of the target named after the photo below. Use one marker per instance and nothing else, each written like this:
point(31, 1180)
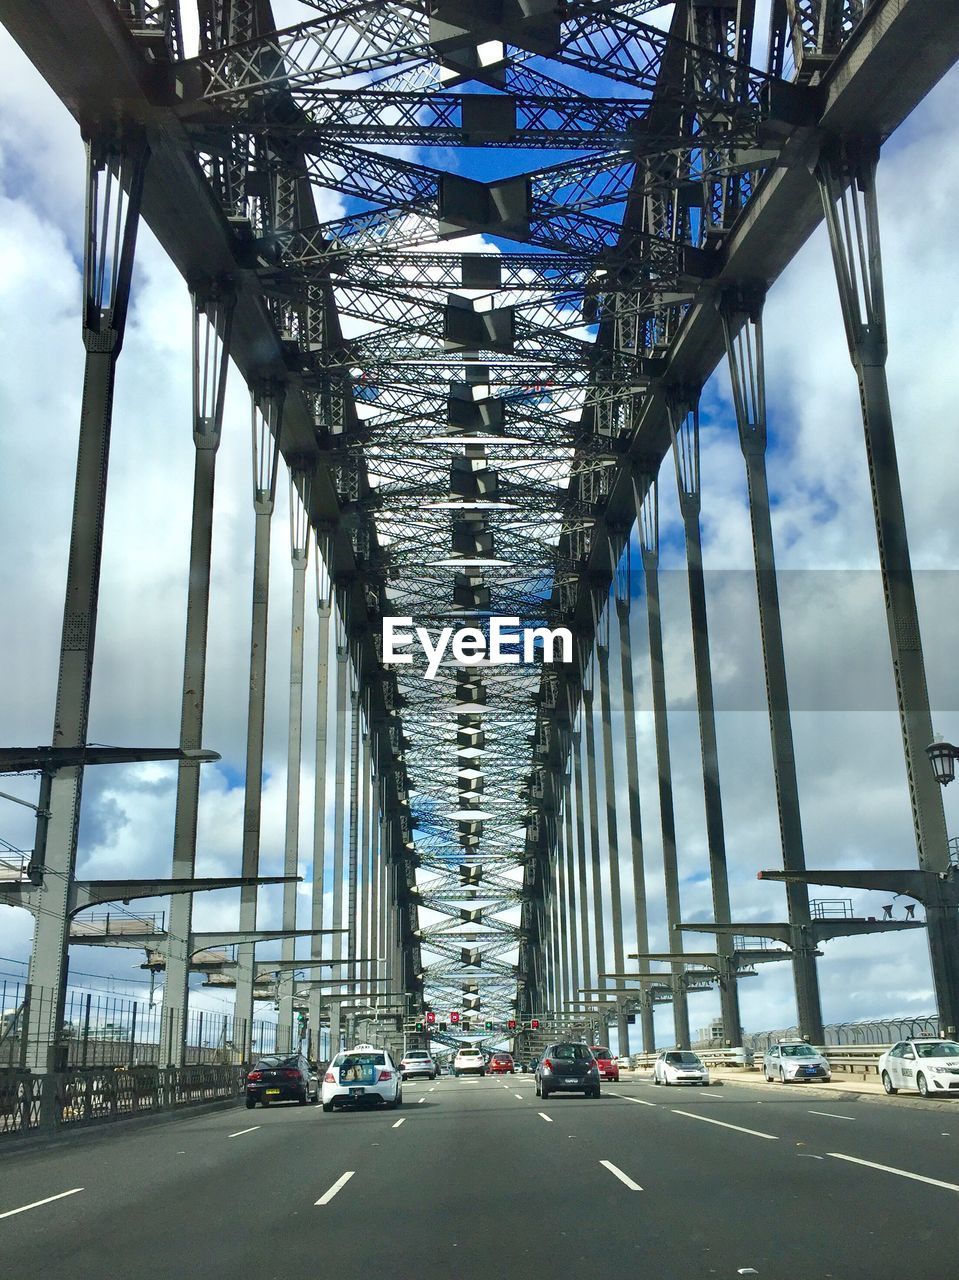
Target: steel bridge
point(476, 375)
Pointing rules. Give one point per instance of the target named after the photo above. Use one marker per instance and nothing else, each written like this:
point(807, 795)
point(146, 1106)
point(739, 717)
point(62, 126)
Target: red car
point(608, 1066)
point(501, 1063)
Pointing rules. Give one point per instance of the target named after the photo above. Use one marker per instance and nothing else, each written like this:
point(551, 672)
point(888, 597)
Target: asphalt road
point(479, 1178)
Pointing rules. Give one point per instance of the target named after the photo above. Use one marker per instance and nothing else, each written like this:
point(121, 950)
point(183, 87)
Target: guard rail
point(860, 1059)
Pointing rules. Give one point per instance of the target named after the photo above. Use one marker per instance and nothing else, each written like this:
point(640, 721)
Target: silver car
point(680, 1066)
point(417, 1062)
point(795, 1060)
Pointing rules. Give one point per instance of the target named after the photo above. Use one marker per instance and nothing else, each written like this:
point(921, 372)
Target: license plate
point(270, 1092)
point(570, 1080)
point(356, 1093)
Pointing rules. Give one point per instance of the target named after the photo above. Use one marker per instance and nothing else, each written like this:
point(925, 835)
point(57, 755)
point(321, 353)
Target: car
point(608, 1066)
point(567, 1067)
point(360, 1076)
point(418, 1062)
point(623, 1063)
point(679, 1066)
point(795, 1060)
point(929, 1065)
point(282, 1077)
point(532, 1065)
point(502, 1064)
point(469, 1060)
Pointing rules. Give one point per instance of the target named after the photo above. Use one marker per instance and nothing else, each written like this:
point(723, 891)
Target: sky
point(851, 773)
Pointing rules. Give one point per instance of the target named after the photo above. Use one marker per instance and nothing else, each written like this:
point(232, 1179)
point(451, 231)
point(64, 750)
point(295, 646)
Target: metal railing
point(882, 1031)
point(38, 1104)
point(99, 924)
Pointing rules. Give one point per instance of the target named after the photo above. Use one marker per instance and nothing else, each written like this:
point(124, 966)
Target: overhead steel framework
point(473, 365)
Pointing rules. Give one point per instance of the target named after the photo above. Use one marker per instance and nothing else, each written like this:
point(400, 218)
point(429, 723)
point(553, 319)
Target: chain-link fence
point(875, 1031)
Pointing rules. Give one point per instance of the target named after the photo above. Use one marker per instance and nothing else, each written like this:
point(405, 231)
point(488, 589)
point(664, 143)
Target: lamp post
point(942, 757)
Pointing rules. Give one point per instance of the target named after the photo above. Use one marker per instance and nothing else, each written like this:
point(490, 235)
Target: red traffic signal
point(430, 1017)
point(454, 1016)
point(534, 1023)
point(511, 1025)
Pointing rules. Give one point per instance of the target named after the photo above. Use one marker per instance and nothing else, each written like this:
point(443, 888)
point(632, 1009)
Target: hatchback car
point(679, 1066)
point(608, 1065)
point(417, 1062)
point(795, 1060)
point(469, 1061)
point(567, 1067)
point(361, 1076)
point(282, 1077)
point(502, 1064)
point(930, 1066)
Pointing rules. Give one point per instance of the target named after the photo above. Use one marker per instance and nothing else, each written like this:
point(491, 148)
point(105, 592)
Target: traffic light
point(442, 1026)
point(511, 1024)
point(466, 1025)
point(430, 1017)
point(489, 1025)
point(534, 1023)
point(454, 1017)
point(419, 1026)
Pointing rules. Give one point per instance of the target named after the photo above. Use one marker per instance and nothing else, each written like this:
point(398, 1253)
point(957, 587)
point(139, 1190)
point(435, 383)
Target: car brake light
point(547, 1065)
point(329, 1078)
point(292, 1075)
point(386, 1075)
point(255, 1075)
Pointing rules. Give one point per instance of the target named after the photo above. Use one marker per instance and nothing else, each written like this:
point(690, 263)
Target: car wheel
point(594, 1093)
point(782, 1076)
point(327, 1107)
point(543, 1092)
point(536, 1087)
point(303, 1099)
point(265, 1102)
point(705, 1084)
point(887, 1083)
point(250, 1103)
point(922, 1084)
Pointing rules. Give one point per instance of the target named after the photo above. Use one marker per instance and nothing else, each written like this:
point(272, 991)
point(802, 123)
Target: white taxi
point(928, 1065)
point(360, 1076)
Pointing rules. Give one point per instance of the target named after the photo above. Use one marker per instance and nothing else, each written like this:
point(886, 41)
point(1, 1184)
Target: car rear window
point(571, 1052)
point(600, 1052)
point(359, 1059)
point(276, 1060)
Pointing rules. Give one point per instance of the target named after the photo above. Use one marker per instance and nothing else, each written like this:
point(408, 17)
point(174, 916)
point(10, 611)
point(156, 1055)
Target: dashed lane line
point(623, 1177)
point(548, 1119)
point(518, 1095)
point(338, 1185)
point(402, 1120)
point(423, 1099)
point(832, 1115)
point(37, 1203)
point(773, 1137)
point(888, 1168)
point(240, 1132)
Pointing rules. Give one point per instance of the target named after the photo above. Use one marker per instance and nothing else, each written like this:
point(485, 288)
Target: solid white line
point(774, 1137)
point(832, 1115)
point(626, 1098)
point(548, 1119)
point(618, 1173)
point(402, 1120)
point(888, 1168)
point(240, 1132)
point(36, 1203)
point(338, 1185)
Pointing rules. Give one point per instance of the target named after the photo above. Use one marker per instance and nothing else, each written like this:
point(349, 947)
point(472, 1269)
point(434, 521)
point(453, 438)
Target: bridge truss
point(473, 372)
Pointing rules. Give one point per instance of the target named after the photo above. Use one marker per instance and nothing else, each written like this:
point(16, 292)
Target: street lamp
point(942, 757)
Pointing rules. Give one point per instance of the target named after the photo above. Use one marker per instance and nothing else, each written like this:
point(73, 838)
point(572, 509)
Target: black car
point(282, 1077)
point(567, 1067)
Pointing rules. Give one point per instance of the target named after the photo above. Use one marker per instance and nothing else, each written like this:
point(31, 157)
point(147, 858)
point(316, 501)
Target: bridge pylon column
point(683, 406)
point(741, 312)
point(267, 415)
point(116, 160)
point(589, 974)
point(323, 610)
point(646, 498)
point(213, 304)
point(846, 173)
point(599, 923)
point(300, 479)
point(609, 795)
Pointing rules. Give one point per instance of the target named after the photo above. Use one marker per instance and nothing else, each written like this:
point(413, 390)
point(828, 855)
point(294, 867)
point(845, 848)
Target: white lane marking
point(773, 1137)
point(240, 1132)
point(888, 1168)
point(402, 1120)
point(433, 1090)
point(548, 1119)
point(618, 1173)
point(36, 1203)
point(518, 1095)
point(421, 1099)
point(832, 1115)
point(626, 1098)
point(338, 1185)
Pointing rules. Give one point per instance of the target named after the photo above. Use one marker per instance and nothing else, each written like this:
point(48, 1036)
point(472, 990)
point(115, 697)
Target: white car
point(931, 1066)
point(360, 1076)
point(623, 1064)
point(679, 1066)
point(469, 1060)
point(795, 1060)
point(417, 1062)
